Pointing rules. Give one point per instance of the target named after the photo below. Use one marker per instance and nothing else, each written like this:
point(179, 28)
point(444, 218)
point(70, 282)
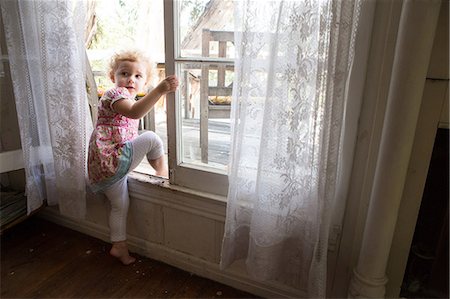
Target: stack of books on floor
point(13, 206)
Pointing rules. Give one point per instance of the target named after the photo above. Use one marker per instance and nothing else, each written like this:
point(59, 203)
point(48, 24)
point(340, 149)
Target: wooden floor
point(40, 259)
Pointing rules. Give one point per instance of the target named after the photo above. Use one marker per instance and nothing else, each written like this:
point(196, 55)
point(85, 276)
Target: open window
point(194, 40)
point(198, 55)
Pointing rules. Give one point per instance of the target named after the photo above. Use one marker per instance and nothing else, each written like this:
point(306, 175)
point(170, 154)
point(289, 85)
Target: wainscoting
point(41, 259)
point(173, 226)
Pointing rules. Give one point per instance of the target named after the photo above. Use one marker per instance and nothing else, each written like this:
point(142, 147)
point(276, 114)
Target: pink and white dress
point(110, 150)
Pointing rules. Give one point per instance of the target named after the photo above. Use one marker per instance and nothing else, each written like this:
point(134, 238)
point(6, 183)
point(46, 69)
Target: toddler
point(115, 148)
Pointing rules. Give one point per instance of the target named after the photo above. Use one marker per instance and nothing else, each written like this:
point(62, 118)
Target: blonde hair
point(133, 56)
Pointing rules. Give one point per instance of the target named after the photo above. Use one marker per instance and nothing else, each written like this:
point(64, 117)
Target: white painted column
point(412, 53)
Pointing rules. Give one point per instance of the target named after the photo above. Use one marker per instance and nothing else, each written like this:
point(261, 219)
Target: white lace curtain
point(46, 54)
point(293, 61)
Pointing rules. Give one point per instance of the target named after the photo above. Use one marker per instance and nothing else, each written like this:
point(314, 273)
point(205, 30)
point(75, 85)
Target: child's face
point(131, 75)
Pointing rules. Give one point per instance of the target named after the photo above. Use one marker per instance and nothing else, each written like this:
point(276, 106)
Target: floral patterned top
point(110, 149)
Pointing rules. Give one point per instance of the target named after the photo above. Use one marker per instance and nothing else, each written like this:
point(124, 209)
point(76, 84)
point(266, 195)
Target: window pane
point(205, 30)
point(205, 105)
point(198, 21)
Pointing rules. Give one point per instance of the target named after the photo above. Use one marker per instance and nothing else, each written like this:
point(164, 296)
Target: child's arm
point(137, 109)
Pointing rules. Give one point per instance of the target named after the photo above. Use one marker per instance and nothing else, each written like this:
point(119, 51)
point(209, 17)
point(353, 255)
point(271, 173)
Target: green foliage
point(117, 21)
point(116, 24)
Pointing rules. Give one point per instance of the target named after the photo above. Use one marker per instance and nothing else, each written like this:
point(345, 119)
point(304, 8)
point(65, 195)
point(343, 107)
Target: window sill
point(159, 191)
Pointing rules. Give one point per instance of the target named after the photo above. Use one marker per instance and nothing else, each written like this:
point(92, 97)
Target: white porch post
point(412, 53)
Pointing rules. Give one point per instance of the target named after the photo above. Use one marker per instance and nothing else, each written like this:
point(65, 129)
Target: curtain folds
point(47, 60)
point(293, 61)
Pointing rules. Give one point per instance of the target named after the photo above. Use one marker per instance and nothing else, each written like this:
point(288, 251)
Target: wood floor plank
point(40, 259)
point(119, 280)
point(196, 287)
point(74, 278)
point(39, 253)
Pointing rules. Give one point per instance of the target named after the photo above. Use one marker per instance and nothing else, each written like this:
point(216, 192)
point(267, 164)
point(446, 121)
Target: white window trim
point(203, 179)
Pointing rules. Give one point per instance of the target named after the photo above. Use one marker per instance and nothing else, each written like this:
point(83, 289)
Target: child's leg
point(119, 199)
point(149, 144)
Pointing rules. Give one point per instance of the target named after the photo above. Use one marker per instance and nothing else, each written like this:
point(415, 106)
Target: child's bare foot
point(163, 173)
point(160, 167)
point(120, 251)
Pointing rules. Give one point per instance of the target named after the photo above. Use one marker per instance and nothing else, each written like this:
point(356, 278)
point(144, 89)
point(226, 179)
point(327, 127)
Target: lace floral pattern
point(46, 55)
point(293, 59)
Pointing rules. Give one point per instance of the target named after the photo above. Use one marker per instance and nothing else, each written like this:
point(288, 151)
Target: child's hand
point(169, 84)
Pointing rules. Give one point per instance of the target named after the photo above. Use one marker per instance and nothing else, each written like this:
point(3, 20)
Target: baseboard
point(234, 277)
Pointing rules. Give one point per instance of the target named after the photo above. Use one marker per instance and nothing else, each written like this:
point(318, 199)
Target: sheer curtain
point(46, 54)
point(293, 61)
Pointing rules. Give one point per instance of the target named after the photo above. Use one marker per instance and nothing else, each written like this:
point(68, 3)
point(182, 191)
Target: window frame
point(200, 178)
